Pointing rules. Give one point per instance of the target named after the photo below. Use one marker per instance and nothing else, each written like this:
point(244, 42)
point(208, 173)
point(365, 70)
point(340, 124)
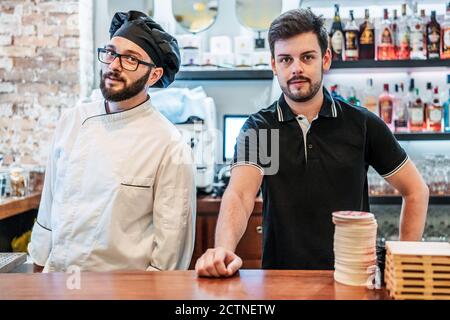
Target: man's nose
point(115, 64)
point(297, 67)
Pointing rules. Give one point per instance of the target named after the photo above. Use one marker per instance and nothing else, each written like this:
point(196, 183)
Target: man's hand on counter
point(218, 262)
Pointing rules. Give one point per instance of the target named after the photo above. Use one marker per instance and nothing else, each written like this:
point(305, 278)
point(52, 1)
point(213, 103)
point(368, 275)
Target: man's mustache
point(298, 78)
point(113, 75)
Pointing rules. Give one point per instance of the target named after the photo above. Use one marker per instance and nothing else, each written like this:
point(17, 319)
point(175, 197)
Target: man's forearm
point(413, 216)
point(232, 221)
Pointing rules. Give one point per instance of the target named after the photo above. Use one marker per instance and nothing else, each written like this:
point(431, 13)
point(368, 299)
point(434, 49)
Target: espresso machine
point(194, 115)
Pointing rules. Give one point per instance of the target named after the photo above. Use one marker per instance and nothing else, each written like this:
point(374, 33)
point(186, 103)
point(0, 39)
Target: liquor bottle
point(351, 39)
point(447, 108)
point(352, 98)
point(445, 36)
point(403, 45)
point(433, 37)
point(394, 27)
point(400, 109)
point(335, 92)
point(418, 48)
point(386, 49)
point(427, 101)
point(370, 100)
point(416, 119)
point(367, 39)
point(424, 19)
point(386, 107)
point(337, 36)
point(435, 113)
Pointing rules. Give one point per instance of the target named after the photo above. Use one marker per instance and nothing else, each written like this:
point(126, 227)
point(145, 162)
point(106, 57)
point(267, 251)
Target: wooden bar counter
point(14, 206)
point(185, 285)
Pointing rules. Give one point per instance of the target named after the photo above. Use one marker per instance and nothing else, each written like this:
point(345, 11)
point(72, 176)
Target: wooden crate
point(412, 272)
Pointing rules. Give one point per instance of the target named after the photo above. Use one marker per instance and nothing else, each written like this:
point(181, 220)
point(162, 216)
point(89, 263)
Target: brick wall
point(39, 72)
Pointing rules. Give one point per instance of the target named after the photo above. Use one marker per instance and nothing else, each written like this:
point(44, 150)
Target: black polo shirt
point(300, 192)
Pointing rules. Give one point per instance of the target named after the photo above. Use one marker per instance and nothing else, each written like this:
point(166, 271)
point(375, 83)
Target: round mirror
point(257, 14)
point(195, 15)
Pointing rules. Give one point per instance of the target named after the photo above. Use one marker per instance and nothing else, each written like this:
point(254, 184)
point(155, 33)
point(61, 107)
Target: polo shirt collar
point(328, 109)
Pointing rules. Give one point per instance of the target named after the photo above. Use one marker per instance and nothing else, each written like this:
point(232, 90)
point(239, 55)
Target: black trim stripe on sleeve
point(155, 267)
point(387, 175)
point(135, 186)
point(43, 226)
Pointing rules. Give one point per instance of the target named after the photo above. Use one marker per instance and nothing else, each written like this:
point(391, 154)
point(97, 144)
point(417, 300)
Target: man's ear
point(272, 62)
point(155, 75)
point(326, 62)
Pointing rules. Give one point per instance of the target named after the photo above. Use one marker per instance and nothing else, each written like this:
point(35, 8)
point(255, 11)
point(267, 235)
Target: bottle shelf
point(267, 74)
point(397, 200)
point(423, 136)
point(402, 64)
point(227, 74)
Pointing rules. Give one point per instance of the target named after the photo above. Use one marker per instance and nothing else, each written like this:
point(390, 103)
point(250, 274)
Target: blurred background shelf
point(397, 200)
point(402, 64)
point(228, 74)
point(267, 74)
point(423, 136)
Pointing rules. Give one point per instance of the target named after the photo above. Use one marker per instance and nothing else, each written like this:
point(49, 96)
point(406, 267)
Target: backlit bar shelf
point(397, 200)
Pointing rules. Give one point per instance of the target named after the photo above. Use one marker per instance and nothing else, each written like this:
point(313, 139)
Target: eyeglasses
point(127, 62)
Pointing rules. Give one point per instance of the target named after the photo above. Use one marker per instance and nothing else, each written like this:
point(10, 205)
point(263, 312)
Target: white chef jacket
point(119, 193)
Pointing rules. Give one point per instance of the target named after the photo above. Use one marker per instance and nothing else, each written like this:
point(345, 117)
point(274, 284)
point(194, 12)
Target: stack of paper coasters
point(355, 247)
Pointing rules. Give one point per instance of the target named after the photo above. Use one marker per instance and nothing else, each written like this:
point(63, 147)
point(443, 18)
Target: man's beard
point(127, 92)
point(302, 97)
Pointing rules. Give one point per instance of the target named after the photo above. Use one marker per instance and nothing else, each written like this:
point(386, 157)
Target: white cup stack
point(355, 247)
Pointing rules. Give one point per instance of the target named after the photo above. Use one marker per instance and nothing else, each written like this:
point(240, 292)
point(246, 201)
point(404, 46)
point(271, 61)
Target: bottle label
point(371, 104)
point(386, 111)
point(350, 40)
point(386, 36)
point(403, 44)
point(436, 116)
point(416, 116)
point(400, 112)
point(434, 37)
point(351, 44)
point(337, 41)
point(417, 41)
point(367, 36)
point(403, 39)
point(446, 41)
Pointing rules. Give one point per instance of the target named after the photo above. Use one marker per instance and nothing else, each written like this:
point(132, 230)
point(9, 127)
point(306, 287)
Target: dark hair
point(297, 21)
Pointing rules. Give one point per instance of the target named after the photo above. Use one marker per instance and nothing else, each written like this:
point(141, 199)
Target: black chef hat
point(151, 37)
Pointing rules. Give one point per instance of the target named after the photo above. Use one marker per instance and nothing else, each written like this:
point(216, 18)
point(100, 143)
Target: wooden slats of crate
point(417, 276)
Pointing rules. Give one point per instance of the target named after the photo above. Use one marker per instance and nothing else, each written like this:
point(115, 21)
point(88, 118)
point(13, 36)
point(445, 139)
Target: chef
point(119, 189)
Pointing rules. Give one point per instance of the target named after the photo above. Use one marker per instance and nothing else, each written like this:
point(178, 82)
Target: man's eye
point(130, 59)
point(308, 58)
point(285, 60)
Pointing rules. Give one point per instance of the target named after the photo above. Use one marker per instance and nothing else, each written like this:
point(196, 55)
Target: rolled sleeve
point(174, 211)
point(384, 153)
point(40, 245)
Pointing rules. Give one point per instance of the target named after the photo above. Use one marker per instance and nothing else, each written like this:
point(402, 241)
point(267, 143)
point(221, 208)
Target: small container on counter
point(18, 179)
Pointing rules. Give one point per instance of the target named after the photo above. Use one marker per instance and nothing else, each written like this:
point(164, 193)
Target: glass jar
point(18, 182)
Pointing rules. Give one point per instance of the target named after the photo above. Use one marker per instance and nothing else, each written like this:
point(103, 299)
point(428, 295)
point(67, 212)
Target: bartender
point(325, 148)
point(119, 189)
